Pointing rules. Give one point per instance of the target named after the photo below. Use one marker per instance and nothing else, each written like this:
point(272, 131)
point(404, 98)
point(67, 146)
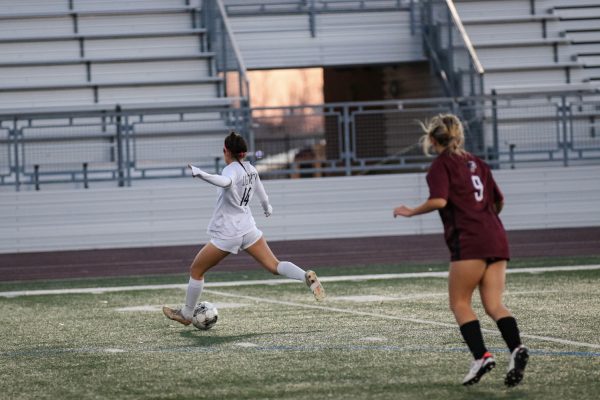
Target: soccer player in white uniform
point(232, 228)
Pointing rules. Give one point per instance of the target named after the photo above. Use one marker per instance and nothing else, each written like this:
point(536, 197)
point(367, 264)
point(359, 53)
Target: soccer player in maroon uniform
point(462, 189)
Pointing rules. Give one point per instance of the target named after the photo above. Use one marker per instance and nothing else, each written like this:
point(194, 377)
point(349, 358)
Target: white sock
point(192, 294)
point(290, 270)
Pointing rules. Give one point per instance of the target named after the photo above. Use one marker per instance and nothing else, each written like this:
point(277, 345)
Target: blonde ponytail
point(446, 130)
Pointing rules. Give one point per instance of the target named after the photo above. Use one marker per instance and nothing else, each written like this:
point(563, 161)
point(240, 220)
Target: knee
point(459, 306)
point(495, 310)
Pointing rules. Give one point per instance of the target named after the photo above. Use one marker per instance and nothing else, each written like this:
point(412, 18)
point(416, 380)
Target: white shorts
point(234, 245)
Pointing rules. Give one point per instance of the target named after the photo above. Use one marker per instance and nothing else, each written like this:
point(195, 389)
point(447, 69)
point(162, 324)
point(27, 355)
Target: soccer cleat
point(479, 368)
point(313, 283)
point(176, 315)
point(516, 366)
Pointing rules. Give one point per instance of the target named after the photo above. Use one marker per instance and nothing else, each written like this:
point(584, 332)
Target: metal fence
point(124, 146)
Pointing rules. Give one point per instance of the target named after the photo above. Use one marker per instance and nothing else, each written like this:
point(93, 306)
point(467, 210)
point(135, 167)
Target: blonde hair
point(446, 130)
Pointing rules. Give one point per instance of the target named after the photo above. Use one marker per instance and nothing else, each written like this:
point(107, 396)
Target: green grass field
point(373, 339)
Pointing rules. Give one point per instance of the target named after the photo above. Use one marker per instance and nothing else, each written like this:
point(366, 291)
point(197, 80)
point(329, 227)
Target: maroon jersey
point(472, 228)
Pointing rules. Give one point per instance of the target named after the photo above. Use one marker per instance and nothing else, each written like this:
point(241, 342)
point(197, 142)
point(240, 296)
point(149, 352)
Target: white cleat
point(516, 366)
point(479, 368)
point(315, 286)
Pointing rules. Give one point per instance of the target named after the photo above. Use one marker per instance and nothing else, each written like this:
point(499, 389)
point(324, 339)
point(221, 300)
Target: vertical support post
point(126, 135)
point(450, 58)
point(85, 175)
point(217, 166)
point(36, 176)
point(496, 139)
point(224, 65)
point(512, 155)
point(311, 19)
point(118, 121)
point(15, 134)
point(412, 18)
point(564, 128)
point(347, 149)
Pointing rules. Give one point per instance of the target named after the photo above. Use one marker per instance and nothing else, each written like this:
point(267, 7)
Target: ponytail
point(447, 130)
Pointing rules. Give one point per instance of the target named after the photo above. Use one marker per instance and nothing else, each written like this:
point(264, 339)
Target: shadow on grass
point(212, 338)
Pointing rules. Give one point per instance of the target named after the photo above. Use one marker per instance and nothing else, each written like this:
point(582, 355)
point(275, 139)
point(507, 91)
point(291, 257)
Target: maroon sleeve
point(438, 181)
point(498, 197)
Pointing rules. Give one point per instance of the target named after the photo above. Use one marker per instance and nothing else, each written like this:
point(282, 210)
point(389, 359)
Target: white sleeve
point(217, 180)
point(263, 198)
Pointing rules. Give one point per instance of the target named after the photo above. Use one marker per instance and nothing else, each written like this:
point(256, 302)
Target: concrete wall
point(177, 213)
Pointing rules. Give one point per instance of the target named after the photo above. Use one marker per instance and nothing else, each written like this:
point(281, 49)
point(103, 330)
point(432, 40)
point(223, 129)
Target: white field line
point(394, 317)
point(343, 278)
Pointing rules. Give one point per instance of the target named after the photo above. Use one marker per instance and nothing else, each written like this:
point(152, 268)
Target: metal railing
point(449, 48)
point(229, 63)
point(312, 8)
point(124, 146)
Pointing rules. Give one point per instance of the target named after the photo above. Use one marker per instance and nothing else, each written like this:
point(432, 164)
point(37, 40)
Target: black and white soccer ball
point(205, 316)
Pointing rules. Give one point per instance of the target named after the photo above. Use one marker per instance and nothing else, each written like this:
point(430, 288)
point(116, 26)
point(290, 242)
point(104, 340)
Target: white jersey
point(232, 217)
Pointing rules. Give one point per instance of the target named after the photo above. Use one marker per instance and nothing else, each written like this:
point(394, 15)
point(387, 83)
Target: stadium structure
point(104, 103)
point(119, 96)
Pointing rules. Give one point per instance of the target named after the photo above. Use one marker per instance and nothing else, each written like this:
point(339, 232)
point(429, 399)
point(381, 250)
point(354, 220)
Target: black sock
point(471, 332)
point(510, 332)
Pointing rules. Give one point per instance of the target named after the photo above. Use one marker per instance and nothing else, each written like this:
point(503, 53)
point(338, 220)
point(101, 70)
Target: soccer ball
point(205, 316)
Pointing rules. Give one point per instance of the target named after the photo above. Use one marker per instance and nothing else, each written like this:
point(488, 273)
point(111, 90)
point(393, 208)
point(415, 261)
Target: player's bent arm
point(498, 206)
point(427, 207)
point(217, 180)
point(263, 198)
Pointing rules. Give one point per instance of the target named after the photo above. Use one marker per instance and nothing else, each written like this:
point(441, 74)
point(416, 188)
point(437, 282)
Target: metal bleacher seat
point(103, 52)
point(521, 44)
point(581, 23)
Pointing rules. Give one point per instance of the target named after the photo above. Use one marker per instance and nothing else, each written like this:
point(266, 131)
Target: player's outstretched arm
point(264, 199)
point(429, 206)
point(217, 180)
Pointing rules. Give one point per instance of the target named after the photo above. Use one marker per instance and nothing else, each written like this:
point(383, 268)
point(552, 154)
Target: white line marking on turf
point(373, 339)
point(392, 317)
point(245, 344)
point(342, 278)
point(155, 308)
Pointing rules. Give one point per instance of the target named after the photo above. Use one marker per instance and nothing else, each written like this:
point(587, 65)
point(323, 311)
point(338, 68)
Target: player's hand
point(268, 211)
point(403, 211)
point(195, 171)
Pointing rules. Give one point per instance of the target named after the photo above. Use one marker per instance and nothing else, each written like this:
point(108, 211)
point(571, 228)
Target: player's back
point(232, 216)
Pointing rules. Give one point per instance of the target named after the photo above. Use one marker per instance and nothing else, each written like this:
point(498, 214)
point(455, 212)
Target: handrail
point(234, 45)
point(221, 41)
point(465, 37)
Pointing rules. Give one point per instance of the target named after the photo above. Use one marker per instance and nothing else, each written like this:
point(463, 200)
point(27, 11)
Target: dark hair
point(235, 143)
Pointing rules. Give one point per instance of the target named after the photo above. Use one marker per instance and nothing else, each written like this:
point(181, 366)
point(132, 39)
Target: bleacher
point(526, 45)
point(67, 65)
point(103, 53)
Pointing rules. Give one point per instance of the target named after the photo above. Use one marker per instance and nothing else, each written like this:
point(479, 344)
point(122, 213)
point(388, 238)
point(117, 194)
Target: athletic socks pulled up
point(290, 270)
point(471, 332)
point(194, 290)
point(510, 332)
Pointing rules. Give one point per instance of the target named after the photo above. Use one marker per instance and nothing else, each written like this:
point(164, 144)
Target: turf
point(275, 342)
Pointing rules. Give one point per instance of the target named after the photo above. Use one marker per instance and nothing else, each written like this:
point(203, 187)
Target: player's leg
point(491, 290)
point(262, 253)
point(463, 279)
point(207, 257)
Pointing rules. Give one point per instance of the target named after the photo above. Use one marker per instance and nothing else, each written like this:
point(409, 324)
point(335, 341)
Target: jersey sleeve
point(498, 197)
point(438, 181)
point(261, 193)
point(230, 173)
point(217, 180)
